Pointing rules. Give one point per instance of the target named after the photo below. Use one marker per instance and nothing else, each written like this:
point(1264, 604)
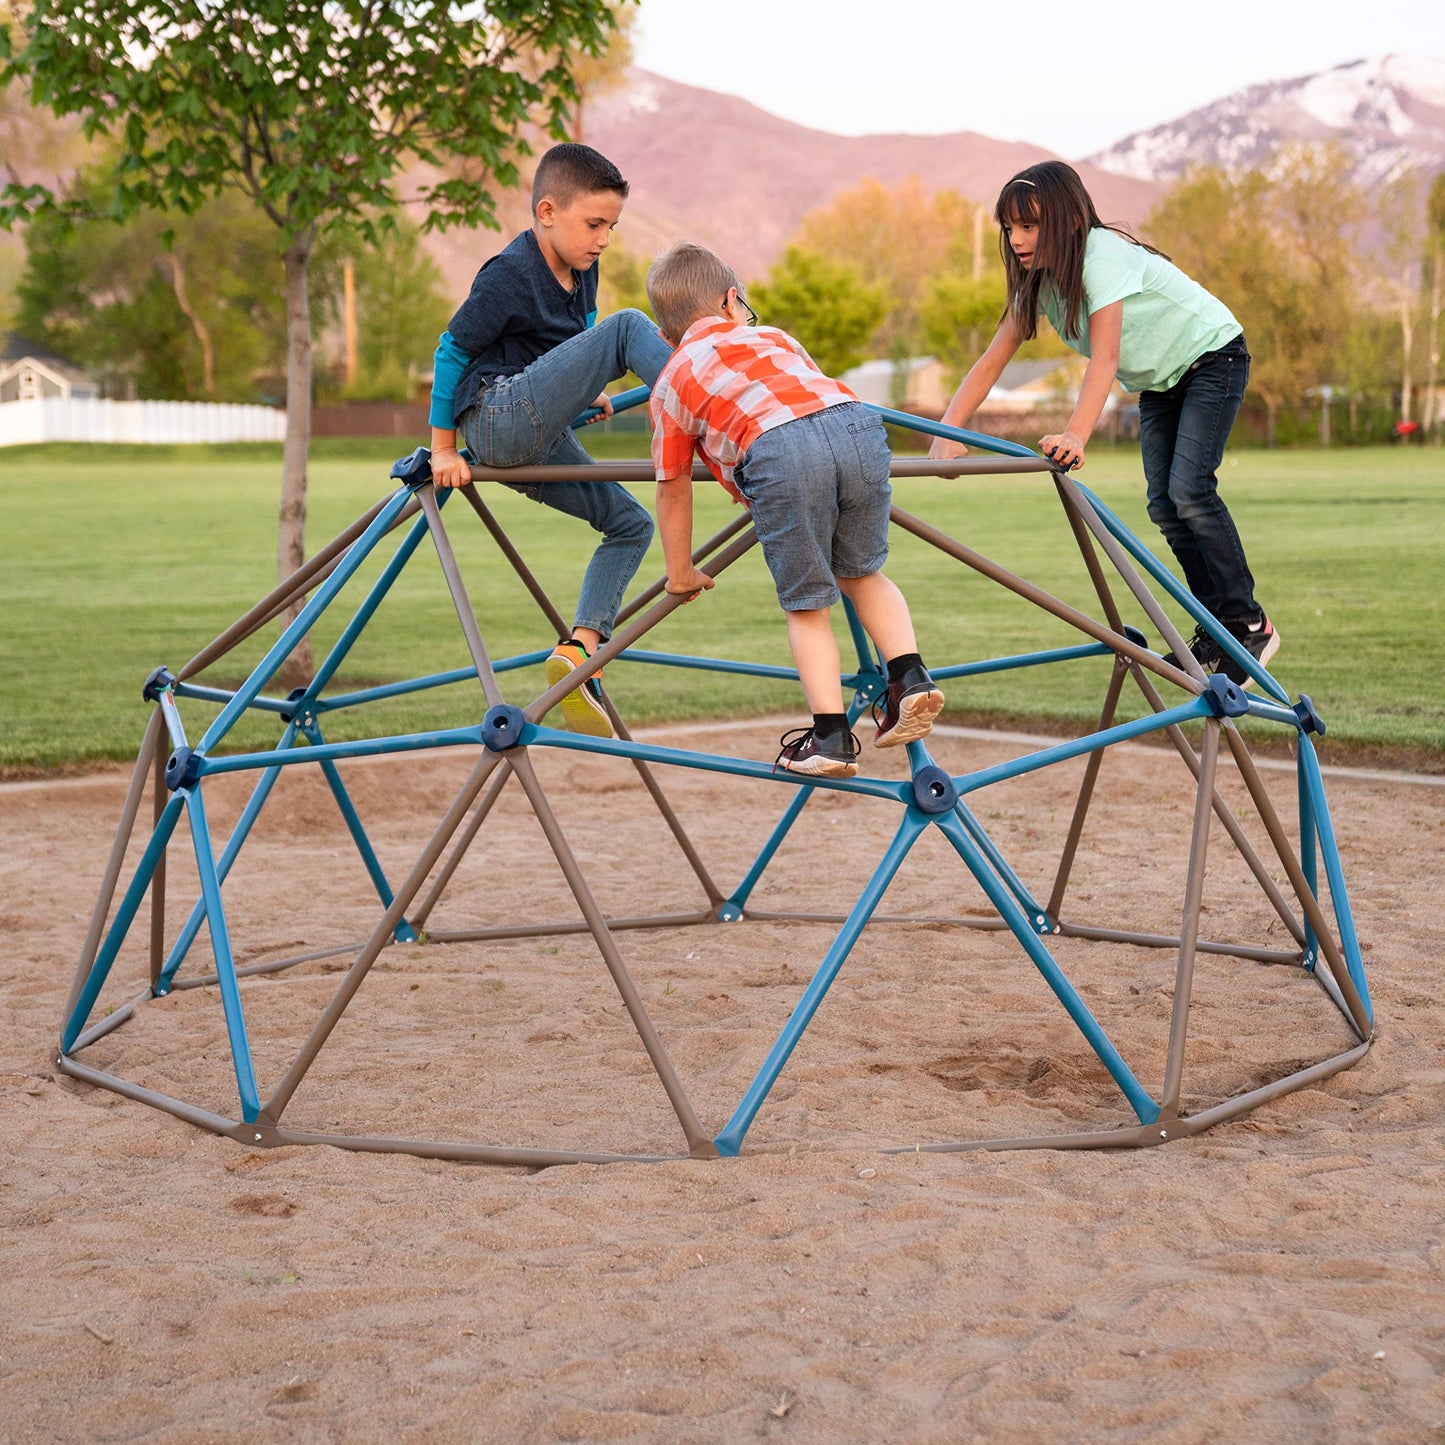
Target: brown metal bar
point(381, 935)
point(623, 639)
point(1225, 813)
point(491, 688)
point(555, 620)
point(159, 794)
point(1086, 792)
point(453, 859)
point(1189, 925)
point(201, 1118)
point(1267, 1093)
point(1124, 565)
point(1115, 641)
point(699, 1143)
point(108, 1024)
point(738, 524)
point(561, 930)
point(620, 471)
point(299, 582)
point(1359, 1015)
point(1167, 940)
point(467, 1153)
point(150, 741)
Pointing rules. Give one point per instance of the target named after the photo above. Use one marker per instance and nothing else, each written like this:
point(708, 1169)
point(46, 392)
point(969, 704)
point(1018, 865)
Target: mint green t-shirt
point(1170, 321)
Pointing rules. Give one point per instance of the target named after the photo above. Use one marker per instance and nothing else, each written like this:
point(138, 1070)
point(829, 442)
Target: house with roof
point(31, 373)
point(919, 384)
point(1038, 396)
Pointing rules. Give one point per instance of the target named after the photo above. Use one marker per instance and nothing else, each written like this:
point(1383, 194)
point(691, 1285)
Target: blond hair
point(687, 281)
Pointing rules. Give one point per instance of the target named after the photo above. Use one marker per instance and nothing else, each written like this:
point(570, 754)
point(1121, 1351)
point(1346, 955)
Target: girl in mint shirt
point(1139, 318)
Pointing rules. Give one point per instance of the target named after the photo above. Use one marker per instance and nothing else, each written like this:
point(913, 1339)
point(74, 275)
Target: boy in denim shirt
point(811, 463)
point(522, 357)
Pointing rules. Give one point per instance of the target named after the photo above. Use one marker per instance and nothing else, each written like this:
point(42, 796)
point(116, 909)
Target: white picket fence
point(57, 419)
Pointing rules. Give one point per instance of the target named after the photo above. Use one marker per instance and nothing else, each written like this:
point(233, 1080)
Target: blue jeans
point(819, 493)
point(527, 418)
point(1182, 433)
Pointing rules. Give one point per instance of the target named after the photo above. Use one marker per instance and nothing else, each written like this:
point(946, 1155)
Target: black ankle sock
point(897, 666)
point(829, 724)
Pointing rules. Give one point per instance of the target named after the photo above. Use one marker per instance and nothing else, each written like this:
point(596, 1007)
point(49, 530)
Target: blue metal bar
point(403, 932)
point(363, 748)
point(1144, 1107)
point(623, 401)
point(225, 694)
point(125, 916)
point(229, 854)
point(1038, 914)
point(535, 735)
point(320, 600)
point(1122, 732)
point(733, 906)
point(1185, 598)
point(1022, 659)
point(422, 684)
point(367, 610)
point(1308, 853)
point(740, 895)
point(225, 962)
point(360, 696)
point(171, 716)
point(954, 433)
point(710, 664)
point(1339, 895)
point(730, 1140)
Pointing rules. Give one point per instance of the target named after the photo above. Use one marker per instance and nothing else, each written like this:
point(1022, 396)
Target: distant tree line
point(1339, 292)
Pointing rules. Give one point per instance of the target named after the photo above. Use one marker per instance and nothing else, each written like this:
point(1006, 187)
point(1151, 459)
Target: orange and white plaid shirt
point(723, 388)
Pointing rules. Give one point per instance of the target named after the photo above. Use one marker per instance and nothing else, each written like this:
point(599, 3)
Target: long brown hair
point(1052, 197)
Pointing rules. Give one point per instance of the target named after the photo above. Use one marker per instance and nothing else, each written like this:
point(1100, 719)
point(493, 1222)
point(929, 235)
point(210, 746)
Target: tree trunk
point(298, 669)
point(1407, 344)
point(203, 334)
point(1432, 348)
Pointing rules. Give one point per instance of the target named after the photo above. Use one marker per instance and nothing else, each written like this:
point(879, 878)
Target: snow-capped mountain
point(1389, 113)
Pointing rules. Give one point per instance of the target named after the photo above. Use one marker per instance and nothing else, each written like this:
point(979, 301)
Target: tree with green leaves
point(194, 316)
point(1277, 246)
point(1434, 288)
point(401, 309)
point(313, 109)
point(824, 303)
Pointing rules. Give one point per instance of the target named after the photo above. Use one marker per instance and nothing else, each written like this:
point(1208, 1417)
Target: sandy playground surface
point(1281, 1278)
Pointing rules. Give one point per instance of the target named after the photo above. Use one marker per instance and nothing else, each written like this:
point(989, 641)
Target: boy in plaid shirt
point(811, 463)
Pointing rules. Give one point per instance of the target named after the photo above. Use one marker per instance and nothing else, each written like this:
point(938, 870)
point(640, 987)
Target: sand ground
point(1281, 1277)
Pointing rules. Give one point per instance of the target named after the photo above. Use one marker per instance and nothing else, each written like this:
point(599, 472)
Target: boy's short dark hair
point(570, 170)
point(685, 282)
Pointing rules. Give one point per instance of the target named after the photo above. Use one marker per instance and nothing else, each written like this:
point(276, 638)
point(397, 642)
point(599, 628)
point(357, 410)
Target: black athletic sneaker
point(802, 752)
point(1205, 650)
point(1259, 640)
point(907, 710)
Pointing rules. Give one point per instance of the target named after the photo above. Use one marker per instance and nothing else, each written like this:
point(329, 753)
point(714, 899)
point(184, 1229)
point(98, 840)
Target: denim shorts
point(819, 493)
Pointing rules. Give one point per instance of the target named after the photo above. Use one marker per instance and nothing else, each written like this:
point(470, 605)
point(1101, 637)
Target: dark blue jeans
point(1182, 433)
point(527, 418)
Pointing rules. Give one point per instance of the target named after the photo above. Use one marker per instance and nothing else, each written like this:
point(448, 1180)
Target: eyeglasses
point(743, 302)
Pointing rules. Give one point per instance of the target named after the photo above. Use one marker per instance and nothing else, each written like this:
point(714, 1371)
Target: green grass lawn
point(117, 559)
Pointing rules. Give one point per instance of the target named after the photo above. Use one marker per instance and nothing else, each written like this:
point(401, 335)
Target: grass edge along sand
point(117, 559)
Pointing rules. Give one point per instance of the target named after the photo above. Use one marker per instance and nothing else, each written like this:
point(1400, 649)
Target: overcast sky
point(1060, 73)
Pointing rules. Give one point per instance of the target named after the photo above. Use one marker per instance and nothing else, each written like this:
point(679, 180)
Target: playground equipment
point(1319, 942)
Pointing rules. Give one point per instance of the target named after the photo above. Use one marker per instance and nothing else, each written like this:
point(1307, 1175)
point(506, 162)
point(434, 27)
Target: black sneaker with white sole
point(908, 709)
point(1204, 649)
point(1259, 640)
point(802, 751)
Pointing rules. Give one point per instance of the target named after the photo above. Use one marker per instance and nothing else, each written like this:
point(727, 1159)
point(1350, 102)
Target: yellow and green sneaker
point(582, 708)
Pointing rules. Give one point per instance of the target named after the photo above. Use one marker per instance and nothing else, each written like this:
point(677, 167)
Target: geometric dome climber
point(1019, 908)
